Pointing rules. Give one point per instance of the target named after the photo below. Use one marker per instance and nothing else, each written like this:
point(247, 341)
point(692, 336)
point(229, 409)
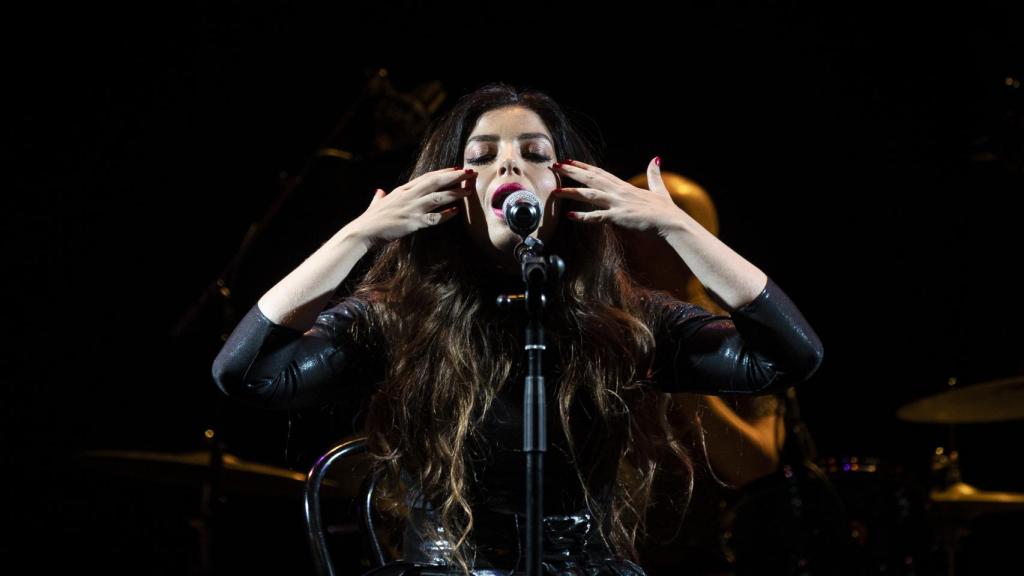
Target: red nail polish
point(657, 161)
point(569, 160)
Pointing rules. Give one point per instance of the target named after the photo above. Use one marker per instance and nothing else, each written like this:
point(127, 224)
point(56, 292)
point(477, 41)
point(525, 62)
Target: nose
point(509, 165)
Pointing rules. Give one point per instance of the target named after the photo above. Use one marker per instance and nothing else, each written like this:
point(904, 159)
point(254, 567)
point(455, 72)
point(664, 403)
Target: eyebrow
point(523, 136)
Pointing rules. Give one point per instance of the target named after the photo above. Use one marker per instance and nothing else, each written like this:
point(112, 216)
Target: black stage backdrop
point(868, 160)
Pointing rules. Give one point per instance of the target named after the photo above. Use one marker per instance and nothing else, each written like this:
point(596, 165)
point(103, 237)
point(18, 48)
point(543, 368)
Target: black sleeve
point(764, 347)
point(277, 367)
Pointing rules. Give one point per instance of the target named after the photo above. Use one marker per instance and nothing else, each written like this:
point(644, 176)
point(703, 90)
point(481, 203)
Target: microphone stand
point(538, 274)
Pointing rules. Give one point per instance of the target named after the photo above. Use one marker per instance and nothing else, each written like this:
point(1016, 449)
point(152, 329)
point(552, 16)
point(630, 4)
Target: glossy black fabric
point(763, 347)
point(571, 546)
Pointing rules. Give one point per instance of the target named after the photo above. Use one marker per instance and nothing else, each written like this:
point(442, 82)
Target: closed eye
point(529, 156)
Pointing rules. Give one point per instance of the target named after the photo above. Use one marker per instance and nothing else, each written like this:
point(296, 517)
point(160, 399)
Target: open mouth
point(499, 198)
point(500, 195)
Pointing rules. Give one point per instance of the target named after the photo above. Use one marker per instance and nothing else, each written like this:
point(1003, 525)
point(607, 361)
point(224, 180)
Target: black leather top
point(762, 348)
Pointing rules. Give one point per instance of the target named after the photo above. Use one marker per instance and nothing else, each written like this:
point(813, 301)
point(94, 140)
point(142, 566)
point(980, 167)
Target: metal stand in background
point(539, 273)
point(956, 504)
point(219, 290)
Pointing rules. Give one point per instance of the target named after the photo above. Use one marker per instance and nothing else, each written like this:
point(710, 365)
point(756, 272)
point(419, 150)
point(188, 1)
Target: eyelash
point(530, 155)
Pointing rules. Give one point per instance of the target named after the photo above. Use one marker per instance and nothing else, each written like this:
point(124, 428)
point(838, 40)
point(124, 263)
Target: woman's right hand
point(411, 206)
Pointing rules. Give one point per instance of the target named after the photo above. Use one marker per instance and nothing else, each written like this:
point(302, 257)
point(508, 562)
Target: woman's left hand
point(620, 202)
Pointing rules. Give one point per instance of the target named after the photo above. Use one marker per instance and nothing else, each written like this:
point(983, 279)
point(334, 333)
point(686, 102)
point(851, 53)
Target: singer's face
point(509, 145)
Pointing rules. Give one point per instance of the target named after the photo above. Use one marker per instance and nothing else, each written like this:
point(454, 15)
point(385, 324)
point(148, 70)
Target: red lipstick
point(502, 191)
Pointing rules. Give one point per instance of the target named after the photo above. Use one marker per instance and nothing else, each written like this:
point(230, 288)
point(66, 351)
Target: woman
point(422, 337)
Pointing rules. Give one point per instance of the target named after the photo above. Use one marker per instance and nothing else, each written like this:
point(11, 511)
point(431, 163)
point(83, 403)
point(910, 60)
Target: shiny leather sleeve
point(277, 367)
point(764, 347)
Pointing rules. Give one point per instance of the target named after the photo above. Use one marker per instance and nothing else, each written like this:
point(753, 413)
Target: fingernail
point(569, 160)
point(657, 161)
point(572, 216)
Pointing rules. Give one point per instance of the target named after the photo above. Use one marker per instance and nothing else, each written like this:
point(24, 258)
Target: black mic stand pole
point(538, 274)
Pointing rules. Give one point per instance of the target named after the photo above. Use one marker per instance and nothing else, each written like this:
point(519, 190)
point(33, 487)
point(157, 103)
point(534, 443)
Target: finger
point(589, 217)
point(589, 195)
point(435, 218)
point(449, 213)
point(443, 181)
point(585, 173)
point(436, 199)
point(654, 181)
point(436, 179)
point(591, 168)
point(558, 177)
point(377, 195)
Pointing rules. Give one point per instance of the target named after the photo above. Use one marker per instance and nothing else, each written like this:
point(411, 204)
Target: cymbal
point(994, 401)
point(964, 498)
point(237, 476)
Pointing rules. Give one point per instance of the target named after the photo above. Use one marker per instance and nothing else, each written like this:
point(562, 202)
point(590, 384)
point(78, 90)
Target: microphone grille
point(520, 197)
point(522, 211)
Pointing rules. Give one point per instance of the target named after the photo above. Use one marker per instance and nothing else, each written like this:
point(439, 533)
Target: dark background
point(868, 159)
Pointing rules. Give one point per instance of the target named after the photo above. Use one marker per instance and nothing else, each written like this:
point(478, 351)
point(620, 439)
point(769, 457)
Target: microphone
point(522, 212)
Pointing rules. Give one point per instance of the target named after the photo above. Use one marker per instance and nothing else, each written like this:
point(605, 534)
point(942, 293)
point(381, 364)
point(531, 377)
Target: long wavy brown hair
point(448, 350)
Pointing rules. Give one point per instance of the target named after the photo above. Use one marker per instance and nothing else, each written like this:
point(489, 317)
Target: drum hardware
point(956, 503)
point(194, 469)
point(995, 401)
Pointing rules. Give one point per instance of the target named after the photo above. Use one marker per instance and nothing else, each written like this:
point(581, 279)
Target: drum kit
point(997, 401)
point(862, 515)
point(951, 504)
